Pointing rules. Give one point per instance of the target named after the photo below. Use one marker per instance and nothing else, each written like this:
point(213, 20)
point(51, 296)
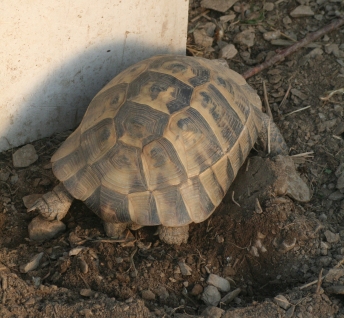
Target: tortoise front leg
point(54, 204)
point(174, 235)
point(115, 230)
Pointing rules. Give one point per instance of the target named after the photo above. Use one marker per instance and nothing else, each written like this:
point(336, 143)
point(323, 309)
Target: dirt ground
point(276, 253)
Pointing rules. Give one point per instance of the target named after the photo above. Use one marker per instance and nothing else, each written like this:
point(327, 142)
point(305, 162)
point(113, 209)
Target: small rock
point(268, 6)
point(162, 292)
point(185, 269)
point(31, 301)
point(218, 5)
point(287, 20)
point(32, 264)
point(333, 48)
point(298, 93)
point(86, 312)
point(228, 52)
point(24, 156)
point(290, 312)
point(334, 274)
point(219, 282)
point(331, 237)
point(83, 266)
point(228, 17)
point(4, 175)
point(41, 229)
point(336, 196)
point(86, 292)
point(148, 295)
point(211, 296)
point(302, 11)
point(202, 39)
point(272, 35)
point(30, 199)
point(212, 312)
point(245, 37)
point(339, 290)
point(230, 296)
point(76, 250)
point(281, 301)
point(196, 290)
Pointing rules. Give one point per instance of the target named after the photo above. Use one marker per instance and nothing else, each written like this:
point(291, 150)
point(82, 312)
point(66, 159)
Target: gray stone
point(4, 175)
point(212, 312)
point(298, 93)
point(228, 52)
point(245, 37)
point(30, 199)
point(340, 182)
point(230, 296)
point(218, 5)
point(340, 170)
point(24, 156)
point(219, 282)
point(148, 295)
point(339, 290)
point(335, 196)
point(211, 296)
point(32, 264)
point(331, 237)
point(334, 274)
point(281, 301)
point(302, 11)
point(334, 49)
point(268, 6)
point(202, 39)
point(41, 229)
point(162, 292)
point(228, 17)
point(272, 35)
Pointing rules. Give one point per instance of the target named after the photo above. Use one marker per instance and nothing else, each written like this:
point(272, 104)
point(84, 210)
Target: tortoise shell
point(162, 142)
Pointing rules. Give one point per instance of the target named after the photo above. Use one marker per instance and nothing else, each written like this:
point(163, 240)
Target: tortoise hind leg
point(271, 131)
point(174, 235)
point(115, 230)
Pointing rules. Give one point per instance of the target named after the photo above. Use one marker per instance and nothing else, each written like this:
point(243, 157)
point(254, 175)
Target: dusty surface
point(268, 252)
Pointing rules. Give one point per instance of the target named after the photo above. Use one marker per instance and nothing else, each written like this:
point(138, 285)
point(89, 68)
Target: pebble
point(32, 264)
point(334, 49)
point(211, 296)
point(218, 5)
point(212, 312)
point(196, 290)
point(246, 37)
point(219, 282)
point(76, 250)
point(298, 94)
point(281, 301)
point(230, 296)
point(4, 175)
point(339, 289)
point(334, 274)
point(287, 20)
point(335, 196)
point(86, 292)
point(302, 11)
point(83, 266)
point(228, 17)
point(272, 35)
point(202, 39)
point(148, 295)
point(185, 269)
point(30, 199)
point(24, 156)
point(331, 237)
point(268, 6)
point(41, 229)
point(228, 52)
point(162, 292)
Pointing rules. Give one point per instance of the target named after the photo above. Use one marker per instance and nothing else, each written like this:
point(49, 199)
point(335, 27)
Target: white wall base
point(56, 55)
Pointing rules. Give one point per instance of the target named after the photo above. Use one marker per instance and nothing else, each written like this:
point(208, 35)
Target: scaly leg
point(174, 235)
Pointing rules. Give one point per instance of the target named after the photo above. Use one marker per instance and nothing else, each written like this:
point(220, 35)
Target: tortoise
point(160, 144)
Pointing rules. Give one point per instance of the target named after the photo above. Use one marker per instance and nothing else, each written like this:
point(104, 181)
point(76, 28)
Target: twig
point(285, 96)
point(284, 53)
point(235, 201)
point(319, 282)
point(298, 110)
point(199, 16)
point(266, 100)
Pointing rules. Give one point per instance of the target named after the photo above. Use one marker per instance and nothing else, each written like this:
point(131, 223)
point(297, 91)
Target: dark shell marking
point(162, 142)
